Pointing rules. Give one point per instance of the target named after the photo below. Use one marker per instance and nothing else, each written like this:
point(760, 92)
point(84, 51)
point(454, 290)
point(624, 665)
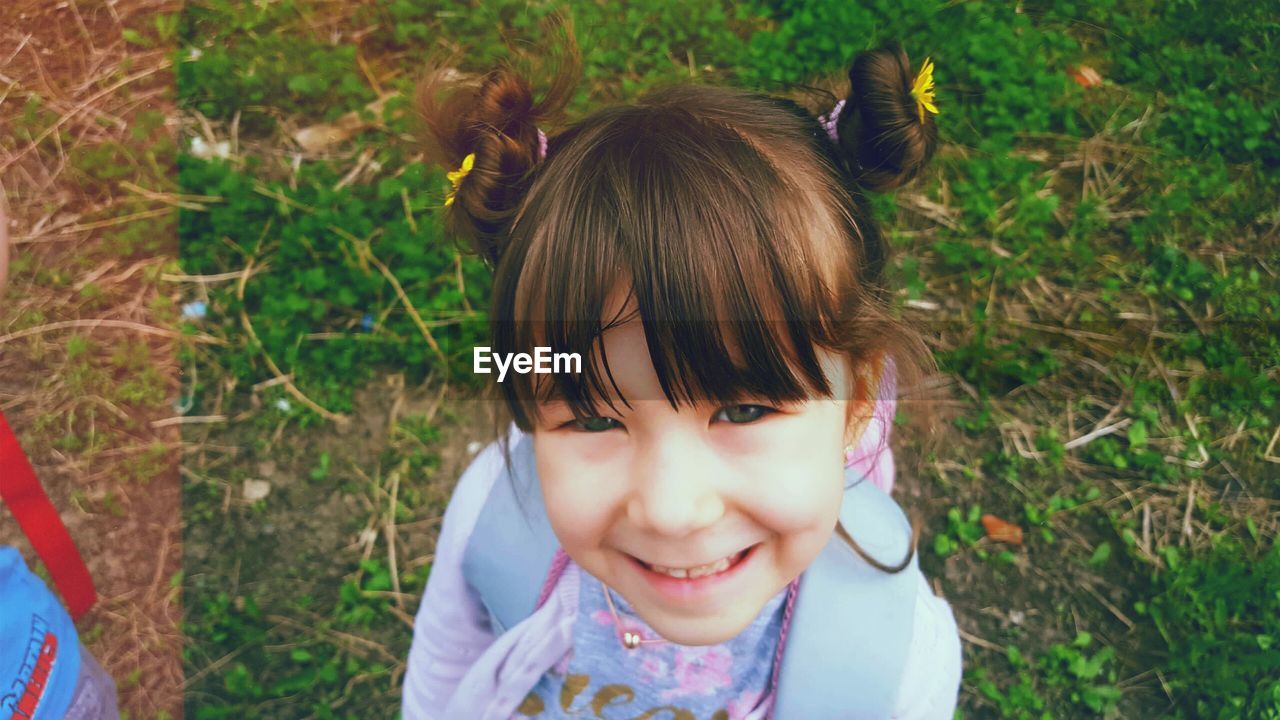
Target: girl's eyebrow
point(548, 391)
point(551, 395)
point(552, 400)
point(554, 397)
point(557, 398)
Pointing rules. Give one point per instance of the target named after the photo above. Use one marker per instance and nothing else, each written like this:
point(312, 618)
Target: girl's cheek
point(819, 429)
point(576, 450)
point(579, 473)
point(580, 513)
point(795, 482)
point(800, 502)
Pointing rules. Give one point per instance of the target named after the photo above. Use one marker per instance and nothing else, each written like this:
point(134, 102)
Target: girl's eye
point(742, 414)
point(595, 424)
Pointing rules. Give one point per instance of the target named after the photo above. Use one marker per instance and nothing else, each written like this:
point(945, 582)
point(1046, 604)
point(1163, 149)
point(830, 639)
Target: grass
point(1096, 267)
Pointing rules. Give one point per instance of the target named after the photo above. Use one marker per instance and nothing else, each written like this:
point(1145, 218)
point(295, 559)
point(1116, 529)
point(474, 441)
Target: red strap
point(20, 489)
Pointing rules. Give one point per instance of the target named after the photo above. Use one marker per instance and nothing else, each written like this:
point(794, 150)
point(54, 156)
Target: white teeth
point(696, 572)
point(711, 569)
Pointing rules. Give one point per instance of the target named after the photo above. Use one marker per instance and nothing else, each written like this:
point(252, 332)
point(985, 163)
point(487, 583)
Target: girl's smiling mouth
point(684, 584)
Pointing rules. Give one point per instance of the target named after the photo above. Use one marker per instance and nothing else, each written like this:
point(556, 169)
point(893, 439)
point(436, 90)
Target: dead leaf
point(1002, 531)
point(322, 136)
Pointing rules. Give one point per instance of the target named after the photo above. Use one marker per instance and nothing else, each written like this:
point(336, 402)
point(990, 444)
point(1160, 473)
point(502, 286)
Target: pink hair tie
point(542, 145)
point(829, 120)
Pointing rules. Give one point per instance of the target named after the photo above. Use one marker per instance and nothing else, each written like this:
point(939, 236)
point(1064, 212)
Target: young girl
point(697, 524)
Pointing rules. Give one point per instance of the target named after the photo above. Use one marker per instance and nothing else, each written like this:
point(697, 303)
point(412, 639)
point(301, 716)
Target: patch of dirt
point(112, 475)
point(308, 519)
point(325, 507)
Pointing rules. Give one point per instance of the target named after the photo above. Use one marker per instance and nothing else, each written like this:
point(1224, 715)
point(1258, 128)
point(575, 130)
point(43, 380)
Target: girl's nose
point(675, 489)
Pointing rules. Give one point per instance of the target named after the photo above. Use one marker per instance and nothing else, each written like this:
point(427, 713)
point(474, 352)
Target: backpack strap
point(847, 644)
point(21, 491)
point(512, 547)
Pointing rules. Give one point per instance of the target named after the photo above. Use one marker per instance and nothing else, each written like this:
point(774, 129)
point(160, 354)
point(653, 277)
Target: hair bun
point(882, 135)
point(496, 117)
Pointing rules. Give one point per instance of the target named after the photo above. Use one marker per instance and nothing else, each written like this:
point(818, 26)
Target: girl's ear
point(862, 400)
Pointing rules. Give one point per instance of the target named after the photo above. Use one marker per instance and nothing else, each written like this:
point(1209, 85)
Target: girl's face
point(653, 485)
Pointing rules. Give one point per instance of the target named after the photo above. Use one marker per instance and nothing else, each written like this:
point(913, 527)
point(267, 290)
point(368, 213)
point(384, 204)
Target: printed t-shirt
point(727, 681)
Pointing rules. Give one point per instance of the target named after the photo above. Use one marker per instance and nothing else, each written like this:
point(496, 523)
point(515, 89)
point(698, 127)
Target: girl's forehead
point(720, 309)
point(622, 360)
point(620, 305)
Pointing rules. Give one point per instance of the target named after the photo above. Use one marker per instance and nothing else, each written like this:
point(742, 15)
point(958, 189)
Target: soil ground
point(325, 512)
point(85, 362)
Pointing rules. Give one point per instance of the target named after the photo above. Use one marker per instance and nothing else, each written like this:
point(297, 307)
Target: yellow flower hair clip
point(456, 176)
point(922, 89)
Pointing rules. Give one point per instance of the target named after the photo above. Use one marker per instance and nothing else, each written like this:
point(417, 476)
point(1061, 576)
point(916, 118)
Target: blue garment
point(712, 682)
point(39, 649)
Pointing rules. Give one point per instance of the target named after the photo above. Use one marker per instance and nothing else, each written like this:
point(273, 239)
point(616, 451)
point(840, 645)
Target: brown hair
point(740, 229)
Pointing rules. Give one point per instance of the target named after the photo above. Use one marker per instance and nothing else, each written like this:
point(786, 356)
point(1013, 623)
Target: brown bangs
point(701, 206)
